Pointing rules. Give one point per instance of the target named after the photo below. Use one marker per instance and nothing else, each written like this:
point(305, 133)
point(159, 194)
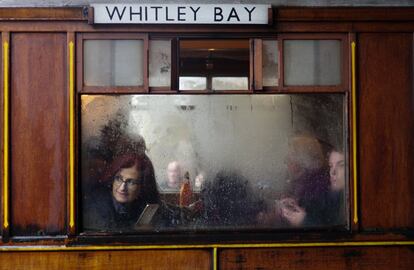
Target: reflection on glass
point(230, 83)
point(213, 162)
point(312, 62)
point(113, 62)
point(213, 59)
point(159, 63)
point(270, 63)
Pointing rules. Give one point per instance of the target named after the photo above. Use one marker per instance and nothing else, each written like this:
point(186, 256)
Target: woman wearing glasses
point(130, 187)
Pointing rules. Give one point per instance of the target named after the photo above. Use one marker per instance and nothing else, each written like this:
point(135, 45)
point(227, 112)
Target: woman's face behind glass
point(337, 171)
point(126, 185)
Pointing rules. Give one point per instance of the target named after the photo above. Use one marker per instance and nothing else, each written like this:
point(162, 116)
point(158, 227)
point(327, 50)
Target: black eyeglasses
point(118, 180)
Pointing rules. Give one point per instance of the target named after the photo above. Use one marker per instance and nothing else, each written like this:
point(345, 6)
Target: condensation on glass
point(231, 162)
point(270, 66)
point(312, 62)
point(223, 64)
point(113, 62)
point(159, 63)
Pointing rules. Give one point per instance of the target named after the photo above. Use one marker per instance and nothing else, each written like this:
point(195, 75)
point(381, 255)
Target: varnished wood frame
point(84, 89)
point(280, 14)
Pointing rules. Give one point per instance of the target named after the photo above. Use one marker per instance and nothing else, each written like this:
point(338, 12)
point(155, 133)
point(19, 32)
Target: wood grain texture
point(363, 258)
point(279, 14)
point(114, 260)
point(57, 13)
point(252, 31)
point(345, 14)
point(39, 133)
point(386, 130)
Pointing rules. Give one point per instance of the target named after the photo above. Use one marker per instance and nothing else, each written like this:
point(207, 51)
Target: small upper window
point(223, 63)
point(113, 62)
point(270, 56)
point(312, 62)
point(160, 63)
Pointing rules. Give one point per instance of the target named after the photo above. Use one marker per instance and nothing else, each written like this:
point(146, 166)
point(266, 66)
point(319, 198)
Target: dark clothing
point(228, 201)
point(102, 213)
point(336, 209)
point(311, 191)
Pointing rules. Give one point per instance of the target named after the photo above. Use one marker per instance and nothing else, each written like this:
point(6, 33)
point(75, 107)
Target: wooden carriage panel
point(386, 130)
point(39, 133)
point(143, 259)
point(379, 258)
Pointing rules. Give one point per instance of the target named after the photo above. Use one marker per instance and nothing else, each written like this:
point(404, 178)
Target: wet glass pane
point(113, 62)
point(213, 59)
point(270, 63)
point(208, 162)
point(159, 63)
point(312, 62)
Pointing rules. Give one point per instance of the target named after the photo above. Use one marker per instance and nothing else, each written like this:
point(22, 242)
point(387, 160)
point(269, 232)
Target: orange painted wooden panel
point(39, 133)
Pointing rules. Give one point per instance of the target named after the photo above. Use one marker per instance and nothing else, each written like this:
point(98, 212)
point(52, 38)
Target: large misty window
point(213, 162)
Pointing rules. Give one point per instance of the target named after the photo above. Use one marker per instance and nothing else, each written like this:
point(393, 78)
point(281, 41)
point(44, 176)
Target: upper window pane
point(312, 62)
point(207, 162)
point(113, 62)
point(193, 83)
point(159, 63)
point(215, 58)
point(230, 83)
point(270, 63)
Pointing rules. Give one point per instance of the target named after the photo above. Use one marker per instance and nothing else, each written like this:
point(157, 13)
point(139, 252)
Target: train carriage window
point(312, 62)
point(270, 63)
point(114, 62)
point(235, 160)
point(213, 162)
point(224, 63)
point(160, 63)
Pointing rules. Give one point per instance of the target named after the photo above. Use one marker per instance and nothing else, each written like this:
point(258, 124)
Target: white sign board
point(180, 14)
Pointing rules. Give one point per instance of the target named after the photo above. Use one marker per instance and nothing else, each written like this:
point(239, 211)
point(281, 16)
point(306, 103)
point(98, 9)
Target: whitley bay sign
point(180, 14)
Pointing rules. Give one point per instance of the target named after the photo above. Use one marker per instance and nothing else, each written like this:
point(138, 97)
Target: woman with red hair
point(130, 186)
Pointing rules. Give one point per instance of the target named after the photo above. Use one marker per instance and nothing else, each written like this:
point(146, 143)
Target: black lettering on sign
point(115, 9)
point(195, 12)
point(166, 15)
point(233, 14)
point(250, 12)
point(156, 12)
point(180, 13)
point(131, 13)
point(218, 14)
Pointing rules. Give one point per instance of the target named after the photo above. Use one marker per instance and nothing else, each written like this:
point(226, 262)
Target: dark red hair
point(149, 192)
